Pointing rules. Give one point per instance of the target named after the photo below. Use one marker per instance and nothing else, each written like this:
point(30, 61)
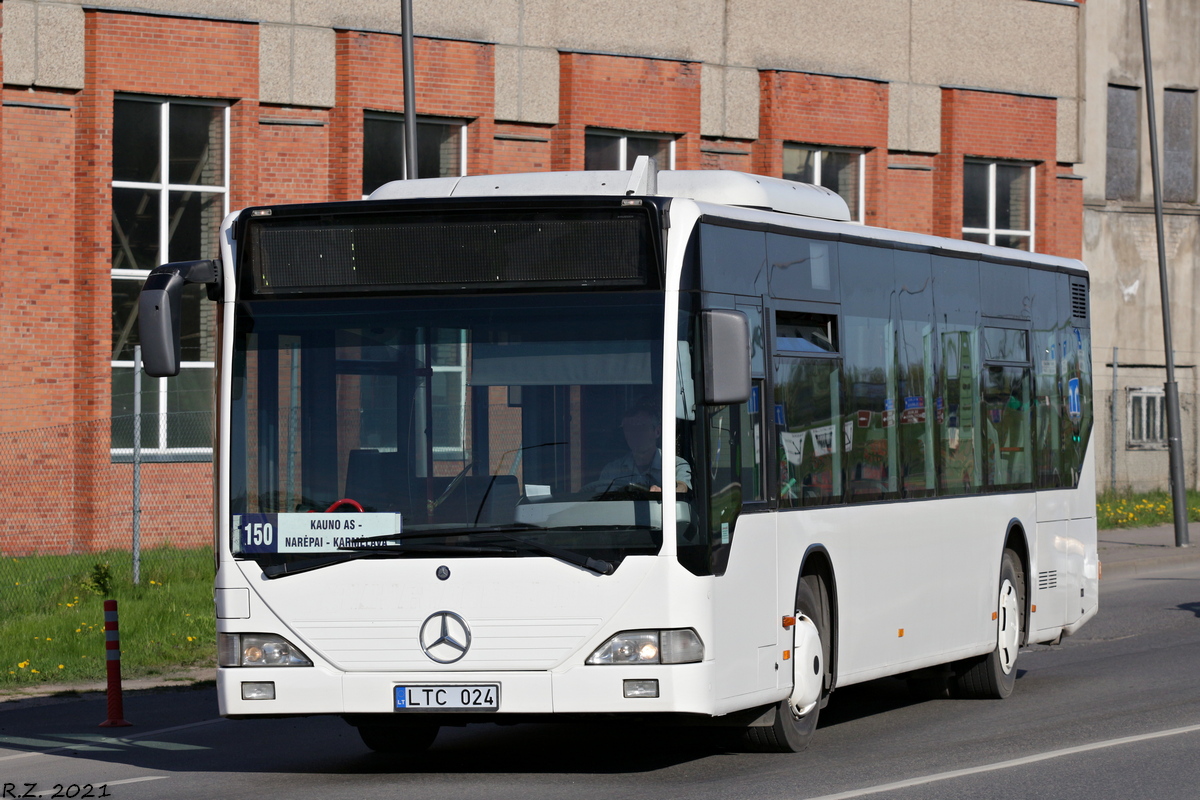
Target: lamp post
point(1171, 388)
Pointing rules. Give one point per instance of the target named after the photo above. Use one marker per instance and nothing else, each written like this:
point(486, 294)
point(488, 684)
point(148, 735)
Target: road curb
point(62, 692)
point(1136, 566)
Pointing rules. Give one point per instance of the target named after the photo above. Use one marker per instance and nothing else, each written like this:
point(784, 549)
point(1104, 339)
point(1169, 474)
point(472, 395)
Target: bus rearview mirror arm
point(726, 343)
point(159, 311)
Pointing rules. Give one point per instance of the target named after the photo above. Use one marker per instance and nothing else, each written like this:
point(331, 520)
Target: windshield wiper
point(353, 553)
point(504, 532)
point(596, 565)
point(447, 532)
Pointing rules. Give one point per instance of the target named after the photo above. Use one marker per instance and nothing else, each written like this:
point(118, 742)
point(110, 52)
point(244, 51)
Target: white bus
point(444, 413)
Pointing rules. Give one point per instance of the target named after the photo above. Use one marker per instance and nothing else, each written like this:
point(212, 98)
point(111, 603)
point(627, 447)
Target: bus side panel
point(1083, 564)
point(1047, 593)
point(748, 619)
point(917, 582)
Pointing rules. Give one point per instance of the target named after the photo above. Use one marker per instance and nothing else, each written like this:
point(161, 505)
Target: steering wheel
point(345, 501)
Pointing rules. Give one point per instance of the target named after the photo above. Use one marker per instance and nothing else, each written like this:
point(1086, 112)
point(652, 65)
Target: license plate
point(473, 697)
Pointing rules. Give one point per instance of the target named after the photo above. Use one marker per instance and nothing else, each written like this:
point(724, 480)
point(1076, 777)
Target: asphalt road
point(1112, 713)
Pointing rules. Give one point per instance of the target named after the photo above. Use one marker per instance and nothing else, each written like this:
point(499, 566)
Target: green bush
point(1141, 510)
point(52, 614)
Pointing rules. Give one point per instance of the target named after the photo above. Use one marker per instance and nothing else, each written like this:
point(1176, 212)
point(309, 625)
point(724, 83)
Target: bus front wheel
point(994, 675)
point(792, 729)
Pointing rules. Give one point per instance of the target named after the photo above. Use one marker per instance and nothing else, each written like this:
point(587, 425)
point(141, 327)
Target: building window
point(616, 150)
point(1121, 166)
point(170, 191)
point(1147, 414)
point(1179, 146)
point(841, 171)
point(441, 149)
point(998, 203)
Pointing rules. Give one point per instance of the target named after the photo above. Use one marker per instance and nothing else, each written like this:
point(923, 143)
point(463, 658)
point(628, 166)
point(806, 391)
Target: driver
point(642, 465)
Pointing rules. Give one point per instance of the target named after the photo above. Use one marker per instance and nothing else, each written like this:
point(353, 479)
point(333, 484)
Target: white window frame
point(991, 230)
point(164, 188)
point(461, 124)
point(624, 137)
point(456, 452)
point(820, 150)
point(1148, 395)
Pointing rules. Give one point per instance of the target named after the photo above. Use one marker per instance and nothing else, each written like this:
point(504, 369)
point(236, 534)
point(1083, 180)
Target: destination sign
point(307, 533)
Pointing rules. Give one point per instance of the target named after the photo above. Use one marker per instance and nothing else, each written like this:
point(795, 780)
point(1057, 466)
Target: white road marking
point(112, 740)
point(1016, 762)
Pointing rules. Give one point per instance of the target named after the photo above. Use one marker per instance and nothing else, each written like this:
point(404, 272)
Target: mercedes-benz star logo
point(445, 637)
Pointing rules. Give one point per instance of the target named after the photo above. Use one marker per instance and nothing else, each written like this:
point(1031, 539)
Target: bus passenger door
point(743, 542)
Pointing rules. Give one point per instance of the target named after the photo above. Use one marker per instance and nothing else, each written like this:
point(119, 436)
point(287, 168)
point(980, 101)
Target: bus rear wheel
point(792, 729)
point(994, 675)
point(398, 739)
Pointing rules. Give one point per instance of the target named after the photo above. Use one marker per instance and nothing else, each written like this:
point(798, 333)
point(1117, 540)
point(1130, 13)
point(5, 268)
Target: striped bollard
point(112, 653)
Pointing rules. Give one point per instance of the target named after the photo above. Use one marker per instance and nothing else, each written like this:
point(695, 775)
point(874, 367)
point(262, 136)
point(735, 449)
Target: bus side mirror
point(726, 342)
point(159, 310)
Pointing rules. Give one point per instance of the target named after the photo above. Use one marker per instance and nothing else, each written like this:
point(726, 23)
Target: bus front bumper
point(288, 691)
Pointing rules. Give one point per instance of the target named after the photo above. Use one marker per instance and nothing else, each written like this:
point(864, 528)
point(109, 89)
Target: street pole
point(1171, 389)
point(1112, 430)
point(410, 92)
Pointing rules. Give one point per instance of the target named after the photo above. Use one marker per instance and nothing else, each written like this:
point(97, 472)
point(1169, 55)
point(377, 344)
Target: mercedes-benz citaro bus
point(447, 417)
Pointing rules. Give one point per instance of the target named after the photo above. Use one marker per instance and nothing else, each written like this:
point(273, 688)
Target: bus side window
point(751, 412)
point(812, 435)
point(1007, 397)
point(956, 313)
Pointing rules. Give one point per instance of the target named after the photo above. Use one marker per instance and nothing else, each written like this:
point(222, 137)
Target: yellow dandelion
point(23, 664)
point(61, 666)
point(35, 672)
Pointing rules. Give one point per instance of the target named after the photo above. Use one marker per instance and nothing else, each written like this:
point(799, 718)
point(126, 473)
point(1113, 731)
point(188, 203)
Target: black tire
point(789, 733)
point(398, 739)
point(993, 676)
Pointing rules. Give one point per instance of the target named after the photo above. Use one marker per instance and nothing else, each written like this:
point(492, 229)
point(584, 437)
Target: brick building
point(130, 129)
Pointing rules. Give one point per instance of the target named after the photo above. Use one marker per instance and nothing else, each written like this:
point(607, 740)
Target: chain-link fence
point(71, 518)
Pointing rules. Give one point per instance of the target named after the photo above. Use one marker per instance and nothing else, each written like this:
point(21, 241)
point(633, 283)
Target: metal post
point(137, 464)
point(1112, 430)
point(1174, 428)
point(410, 92)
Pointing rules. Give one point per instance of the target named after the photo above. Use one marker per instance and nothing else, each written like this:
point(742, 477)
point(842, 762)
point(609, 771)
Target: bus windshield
point(502, 424)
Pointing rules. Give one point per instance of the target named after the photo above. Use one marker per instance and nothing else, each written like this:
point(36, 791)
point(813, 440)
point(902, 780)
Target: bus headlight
point(679, 646)
point(258, 650)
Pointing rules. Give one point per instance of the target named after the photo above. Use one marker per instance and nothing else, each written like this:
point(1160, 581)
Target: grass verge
point(52, 615)
point(1141, 510)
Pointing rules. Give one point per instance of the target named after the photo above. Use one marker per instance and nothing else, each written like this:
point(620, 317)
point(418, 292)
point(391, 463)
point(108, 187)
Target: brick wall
point(454, 79)
point(830, 111)
point(994, 125)
point(910, 192)
point(734, 154)
point(293, 147)
point(626, 94)
point(39, 259)
point(521, 148)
